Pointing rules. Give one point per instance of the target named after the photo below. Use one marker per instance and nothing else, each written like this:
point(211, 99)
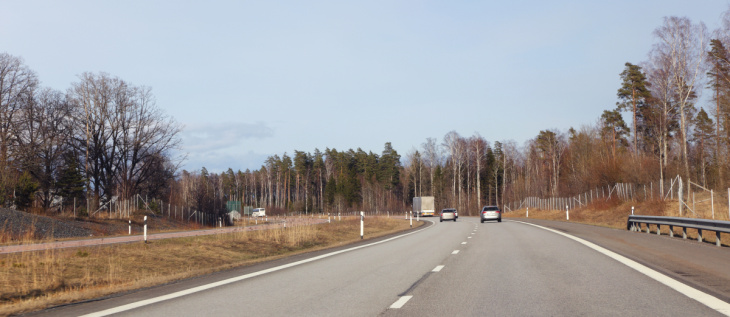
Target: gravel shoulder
point(18, 225)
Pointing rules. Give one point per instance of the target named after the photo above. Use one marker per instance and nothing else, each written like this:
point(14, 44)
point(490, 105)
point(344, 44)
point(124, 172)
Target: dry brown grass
point(35, 280)
point(614, 214)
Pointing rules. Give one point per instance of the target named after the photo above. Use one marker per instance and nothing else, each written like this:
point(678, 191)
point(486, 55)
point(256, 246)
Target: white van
point(259, 212)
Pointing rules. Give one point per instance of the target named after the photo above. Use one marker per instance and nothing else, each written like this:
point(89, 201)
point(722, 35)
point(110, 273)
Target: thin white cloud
point(206, 137)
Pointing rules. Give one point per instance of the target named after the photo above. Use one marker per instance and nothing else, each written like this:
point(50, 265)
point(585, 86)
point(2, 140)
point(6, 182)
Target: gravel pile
point(18, 223)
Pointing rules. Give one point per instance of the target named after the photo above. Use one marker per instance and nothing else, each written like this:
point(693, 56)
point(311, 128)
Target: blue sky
point(249, 79)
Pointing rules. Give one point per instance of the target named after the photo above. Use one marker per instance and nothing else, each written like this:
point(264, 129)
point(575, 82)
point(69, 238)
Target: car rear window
point(492, 208)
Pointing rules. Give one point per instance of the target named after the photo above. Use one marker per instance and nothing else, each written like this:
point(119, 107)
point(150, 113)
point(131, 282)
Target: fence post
point(680, 197)
point(712, 203)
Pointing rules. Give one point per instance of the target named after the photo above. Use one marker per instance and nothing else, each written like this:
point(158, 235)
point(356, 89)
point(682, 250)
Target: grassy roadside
point(614, 214)
point(36, 280)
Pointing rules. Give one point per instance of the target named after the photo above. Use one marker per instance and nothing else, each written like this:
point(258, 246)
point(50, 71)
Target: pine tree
point(24, 191)
point(70, 182)
point(703, 134)
point(614, 127)
point(719, 82)
point(633, 94)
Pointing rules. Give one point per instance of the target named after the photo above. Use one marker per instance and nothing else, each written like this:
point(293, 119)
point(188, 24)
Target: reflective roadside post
point(145, 229)
point(411, 218)
point(632, 210)
point(567, 215)
point(130, 227)
point(528, 213)
point(362, 224)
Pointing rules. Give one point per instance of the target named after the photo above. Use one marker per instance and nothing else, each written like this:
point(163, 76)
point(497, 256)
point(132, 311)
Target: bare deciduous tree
point(684, 45)
point(432, 158)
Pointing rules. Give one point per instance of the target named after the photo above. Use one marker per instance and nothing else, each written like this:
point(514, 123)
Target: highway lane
point(501, 269)
point(513, 269)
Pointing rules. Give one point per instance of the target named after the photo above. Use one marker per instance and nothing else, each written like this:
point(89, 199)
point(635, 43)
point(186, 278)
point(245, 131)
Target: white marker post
point(145, 229)
point(418, 214)
point(130, 227)
point(328, 218)
point(567, 215)
point(411, 218)
point(362, 224)
point(632, 210)
point(527, 214)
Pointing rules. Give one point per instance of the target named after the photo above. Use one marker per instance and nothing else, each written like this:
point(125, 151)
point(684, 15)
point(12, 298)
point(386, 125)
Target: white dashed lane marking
point(438, 268)
point(455, 252)
point(401, 301)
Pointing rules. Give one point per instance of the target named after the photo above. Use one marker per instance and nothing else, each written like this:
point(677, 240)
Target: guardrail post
point(648, 228)
point(671, 231)
point(684, 233)
point(717, 239)
point(658, 230)
point(699, 235)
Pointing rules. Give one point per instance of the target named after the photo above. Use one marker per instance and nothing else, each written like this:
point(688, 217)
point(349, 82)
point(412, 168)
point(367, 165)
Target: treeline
point(102, 138)
point(316, 182)
point(668, 132)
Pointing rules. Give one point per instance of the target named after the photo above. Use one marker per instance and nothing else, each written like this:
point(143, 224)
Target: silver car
point(448, 214)
point(490, 213)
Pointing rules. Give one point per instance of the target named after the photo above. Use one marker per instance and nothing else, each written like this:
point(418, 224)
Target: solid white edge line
point(455, 252)
point(401, 301)
point(437, 268)
point(189, 291)
point(700, 296)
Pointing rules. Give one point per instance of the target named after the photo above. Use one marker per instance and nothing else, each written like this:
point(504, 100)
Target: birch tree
point(683, 44)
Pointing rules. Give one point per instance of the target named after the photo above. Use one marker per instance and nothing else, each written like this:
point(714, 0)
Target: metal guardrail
point(634, 224)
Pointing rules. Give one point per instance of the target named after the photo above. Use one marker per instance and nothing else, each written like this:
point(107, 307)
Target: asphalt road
point(500, 269)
